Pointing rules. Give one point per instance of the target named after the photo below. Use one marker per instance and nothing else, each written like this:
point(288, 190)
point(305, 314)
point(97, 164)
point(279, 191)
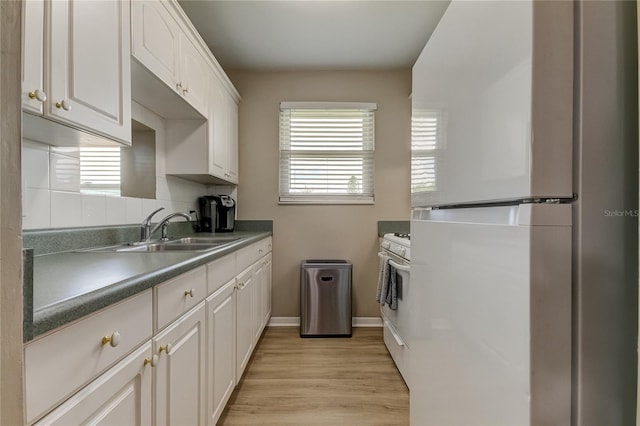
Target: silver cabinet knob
point(190, 292)
point(38, 95)
point(64, 104)
point(113, 340)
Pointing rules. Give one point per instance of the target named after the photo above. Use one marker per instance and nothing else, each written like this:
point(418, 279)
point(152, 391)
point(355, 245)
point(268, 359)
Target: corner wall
point(323, 231)
point(11, 355)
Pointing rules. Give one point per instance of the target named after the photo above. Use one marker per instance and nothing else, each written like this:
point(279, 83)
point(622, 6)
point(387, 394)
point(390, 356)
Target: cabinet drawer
point(60, 363)
point(178, 295)
point(248, 255)
point(220, 271)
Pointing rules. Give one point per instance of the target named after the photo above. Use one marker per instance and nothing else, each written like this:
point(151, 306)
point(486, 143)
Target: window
point(426, 138)
point(326, 152)
point(100, 171)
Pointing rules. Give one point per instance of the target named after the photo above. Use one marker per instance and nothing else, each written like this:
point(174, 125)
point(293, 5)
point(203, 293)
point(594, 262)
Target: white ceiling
point(315, 34)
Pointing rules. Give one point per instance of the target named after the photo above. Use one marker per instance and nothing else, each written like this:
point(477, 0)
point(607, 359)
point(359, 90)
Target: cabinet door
point(33, 56)
point(266, 291)
point(89, 66)
point(258, 318)
point(218, 130)
point(155, 40)
point(121, 396)
point(194, 75)
point(244, 321)
point(232, 140)
point(221, 349)
point(180, 372)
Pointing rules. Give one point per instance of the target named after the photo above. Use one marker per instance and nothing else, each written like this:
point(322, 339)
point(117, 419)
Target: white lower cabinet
point(266, 290)
point(221, 349)
point(180, 370)
point(258, 318)
point(61, 363)
point(253, 307)
point(114, 367)
point(245, 314)
point(121, 396)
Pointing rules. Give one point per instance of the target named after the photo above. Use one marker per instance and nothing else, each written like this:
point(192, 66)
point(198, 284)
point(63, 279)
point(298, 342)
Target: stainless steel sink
point(205, 240)
point(183, 244)
point(169, 247)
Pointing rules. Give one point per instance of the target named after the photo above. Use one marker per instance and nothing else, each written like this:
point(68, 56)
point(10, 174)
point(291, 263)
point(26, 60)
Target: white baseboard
point(366, 321)
point(284, 322)
point(295, 322)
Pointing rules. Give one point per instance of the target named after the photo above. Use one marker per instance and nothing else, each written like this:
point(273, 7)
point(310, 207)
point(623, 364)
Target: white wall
point(51, 187)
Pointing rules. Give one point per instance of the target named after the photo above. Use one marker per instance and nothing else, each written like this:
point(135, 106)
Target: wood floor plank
point(324, 381)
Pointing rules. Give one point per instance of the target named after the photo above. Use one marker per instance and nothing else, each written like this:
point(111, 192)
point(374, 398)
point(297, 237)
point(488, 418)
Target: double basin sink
point(181, 244)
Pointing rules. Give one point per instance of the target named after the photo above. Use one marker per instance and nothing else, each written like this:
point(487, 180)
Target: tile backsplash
point(52, 198)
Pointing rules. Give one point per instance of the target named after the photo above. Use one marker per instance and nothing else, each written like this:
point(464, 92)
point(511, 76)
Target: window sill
point(328, 201)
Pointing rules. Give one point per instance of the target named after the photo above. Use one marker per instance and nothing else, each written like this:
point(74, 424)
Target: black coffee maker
point(217, 213)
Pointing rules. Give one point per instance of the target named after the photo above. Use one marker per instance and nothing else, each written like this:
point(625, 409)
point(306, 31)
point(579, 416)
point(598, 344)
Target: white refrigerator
point(524, 216)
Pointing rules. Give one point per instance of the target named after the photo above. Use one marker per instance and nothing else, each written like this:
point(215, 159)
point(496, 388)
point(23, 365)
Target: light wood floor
point(317, 381)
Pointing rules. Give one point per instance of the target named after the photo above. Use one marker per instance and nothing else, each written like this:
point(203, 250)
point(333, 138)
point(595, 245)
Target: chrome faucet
point(145, 226)
point(164, 224)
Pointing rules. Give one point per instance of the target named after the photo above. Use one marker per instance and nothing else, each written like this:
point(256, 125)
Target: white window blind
point(326, 153)
point(426, 139)
point(100, 170)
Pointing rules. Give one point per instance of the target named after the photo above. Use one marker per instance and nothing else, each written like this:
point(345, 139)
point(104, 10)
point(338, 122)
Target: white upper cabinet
point(223, 133)
point(217, 131)
point(206, 152)
point(194, 75)
point(33, 93)
point(232, 140)
point(154, 40)
point(84, 55)
point(162, 45)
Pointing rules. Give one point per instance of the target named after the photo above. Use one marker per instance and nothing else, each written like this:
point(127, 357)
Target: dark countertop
point(69, 285)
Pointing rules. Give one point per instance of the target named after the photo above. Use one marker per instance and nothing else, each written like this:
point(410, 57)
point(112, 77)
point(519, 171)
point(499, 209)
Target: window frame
point(285, 156)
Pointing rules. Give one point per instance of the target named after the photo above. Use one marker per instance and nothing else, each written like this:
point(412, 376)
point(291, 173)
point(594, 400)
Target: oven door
point(399, 318)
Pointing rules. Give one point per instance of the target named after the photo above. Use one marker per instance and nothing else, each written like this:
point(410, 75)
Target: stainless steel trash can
point(325, 298)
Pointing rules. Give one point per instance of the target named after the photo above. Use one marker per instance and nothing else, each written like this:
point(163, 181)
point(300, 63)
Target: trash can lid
point(326, 262)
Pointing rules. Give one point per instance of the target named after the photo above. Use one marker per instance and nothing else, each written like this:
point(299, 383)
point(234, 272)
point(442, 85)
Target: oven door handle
point(398, 266)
